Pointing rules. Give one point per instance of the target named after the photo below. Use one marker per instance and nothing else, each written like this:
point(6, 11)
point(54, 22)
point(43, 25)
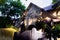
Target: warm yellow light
point(40, 13)
point(56, 20)
point(58, 17)
point(47, 18)
point(30, 21)
point(58, 13)
point(54, 14)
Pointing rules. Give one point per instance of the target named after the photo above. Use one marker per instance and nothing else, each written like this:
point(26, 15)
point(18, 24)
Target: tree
point(55, 1)
point(12, 8)
point(9, 9)
point(4, 21)
point(56, 30)
point(2, 2)
point(56, 4)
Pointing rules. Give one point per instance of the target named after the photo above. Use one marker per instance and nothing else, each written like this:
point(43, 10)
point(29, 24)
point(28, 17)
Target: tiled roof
point(31, 4)
point(48, 8)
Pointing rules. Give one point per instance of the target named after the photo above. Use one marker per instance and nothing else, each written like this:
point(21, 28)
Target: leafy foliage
point(58, 26)
point(7, 32)
point(54, 1)
point(2, 2)
point(4, 21)
point(10, 9)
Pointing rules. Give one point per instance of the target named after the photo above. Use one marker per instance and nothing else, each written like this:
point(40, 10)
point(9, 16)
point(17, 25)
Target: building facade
point(32, 13)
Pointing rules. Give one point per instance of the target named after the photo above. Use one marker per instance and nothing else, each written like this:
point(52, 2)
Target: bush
point(7, 32)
